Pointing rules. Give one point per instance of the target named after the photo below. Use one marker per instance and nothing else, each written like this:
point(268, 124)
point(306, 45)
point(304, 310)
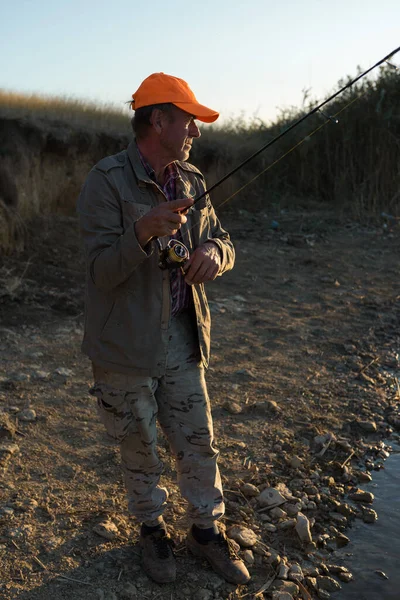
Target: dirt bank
point(43, 164)
point(305, 335)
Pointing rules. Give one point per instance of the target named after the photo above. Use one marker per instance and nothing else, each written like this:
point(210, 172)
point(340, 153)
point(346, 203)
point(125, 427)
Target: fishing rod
point(175, 254)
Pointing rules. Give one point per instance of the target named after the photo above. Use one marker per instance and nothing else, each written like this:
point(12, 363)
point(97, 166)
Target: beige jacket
point(127, 303)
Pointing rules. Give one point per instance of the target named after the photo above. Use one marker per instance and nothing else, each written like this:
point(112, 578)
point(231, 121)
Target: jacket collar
point(137, 165)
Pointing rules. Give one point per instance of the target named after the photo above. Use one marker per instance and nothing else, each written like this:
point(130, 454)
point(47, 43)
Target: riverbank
point(303, 384)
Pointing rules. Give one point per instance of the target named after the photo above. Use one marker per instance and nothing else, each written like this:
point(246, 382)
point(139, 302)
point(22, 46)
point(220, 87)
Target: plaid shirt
point(181, 296)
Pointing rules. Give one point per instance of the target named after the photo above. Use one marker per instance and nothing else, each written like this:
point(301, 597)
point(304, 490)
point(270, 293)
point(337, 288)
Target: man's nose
point(194, 131)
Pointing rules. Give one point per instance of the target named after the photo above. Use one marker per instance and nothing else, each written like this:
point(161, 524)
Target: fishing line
point(175, 254)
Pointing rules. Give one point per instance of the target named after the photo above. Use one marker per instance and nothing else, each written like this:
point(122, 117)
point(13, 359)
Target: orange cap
point(159, 88)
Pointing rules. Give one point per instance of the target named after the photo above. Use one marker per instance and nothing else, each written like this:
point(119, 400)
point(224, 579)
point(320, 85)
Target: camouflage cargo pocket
point(114, 411)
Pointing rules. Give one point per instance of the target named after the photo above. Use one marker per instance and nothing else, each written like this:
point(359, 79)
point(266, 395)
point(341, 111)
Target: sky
point(251, 59)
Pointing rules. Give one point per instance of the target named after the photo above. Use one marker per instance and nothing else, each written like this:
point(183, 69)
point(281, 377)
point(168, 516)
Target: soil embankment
point(43, 164)
point(304, 387)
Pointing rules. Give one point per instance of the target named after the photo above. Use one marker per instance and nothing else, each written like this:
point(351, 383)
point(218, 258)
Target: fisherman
point(147, 330)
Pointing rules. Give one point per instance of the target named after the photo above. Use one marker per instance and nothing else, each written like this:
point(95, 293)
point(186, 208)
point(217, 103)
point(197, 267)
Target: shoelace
point(227, 546)
point(163, 546)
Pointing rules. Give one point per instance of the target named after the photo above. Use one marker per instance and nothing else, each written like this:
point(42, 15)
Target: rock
point(323, 595)
point(346, 577)
point(277, 513)
point(64, 372)
point(292, 509)
point(245, 537)
point(248, 557)
point(269, 527)
point(232, 407)
point(270, 497)
point(296, 462)
point(295, 573)
point(249, 490)
point(367, 426)
point(362, 496)
point(28, 415)
point(106, 529)
point(303, 528)
point(340, 519)
point(328, 584)
point(283, 571)
point(8, 449)
point(287, 524)
point(7, 510)
point(342, 540)
point(369, 515)
point(20, 377)
point(285, 586)
point(321, 440)
point(7, 428)
point(41, 375)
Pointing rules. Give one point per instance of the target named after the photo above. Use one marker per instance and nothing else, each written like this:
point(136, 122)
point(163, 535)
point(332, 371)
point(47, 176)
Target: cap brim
point(200, 112)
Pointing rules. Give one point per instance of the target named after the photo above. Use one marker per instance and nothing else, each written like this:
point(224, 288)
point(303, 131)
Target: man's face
point(179, 129)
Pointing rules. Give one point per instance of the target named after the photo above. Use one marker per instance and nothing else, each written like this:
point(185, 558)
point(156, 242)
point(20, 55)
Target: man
point(147, 330)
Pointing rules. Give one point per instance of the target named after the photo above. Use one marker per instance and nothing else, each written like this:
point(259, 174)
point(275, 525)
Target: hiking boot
point(157, 556)
point(221, 555)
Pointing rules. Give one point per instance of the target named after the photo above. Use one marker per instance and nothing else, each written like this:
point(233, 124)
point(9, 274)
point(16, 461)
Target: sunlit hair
point(141, 119)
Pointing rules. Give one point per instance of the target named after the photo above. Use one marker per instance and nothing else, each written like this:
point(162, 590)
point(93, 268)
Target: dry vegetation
point(352, 166)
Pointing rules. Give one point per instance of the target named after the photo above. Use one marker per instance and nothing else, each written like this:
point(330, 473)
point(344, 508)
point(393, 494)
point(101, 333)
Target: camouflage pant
point(130, 405)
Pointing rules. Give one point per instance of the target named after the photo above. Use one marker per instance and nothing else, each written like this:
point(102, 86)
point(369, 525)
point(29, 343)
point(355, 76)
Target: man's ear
point(156, 120)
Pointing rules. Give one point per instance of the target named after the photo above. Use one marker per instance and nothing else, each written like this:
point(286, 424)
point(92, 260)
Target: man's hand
point(164, 219)
point(203, 265)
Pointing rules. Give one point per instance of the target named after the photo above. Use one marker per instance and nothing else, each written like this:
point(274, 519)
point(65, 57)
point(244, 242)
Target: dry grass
point(353, 166)
point(71, 111)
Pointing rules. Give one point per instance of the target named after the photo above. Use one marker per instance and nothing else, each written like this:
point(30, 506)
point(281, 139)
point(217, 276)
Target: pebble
point(296, 573)
point(64, 372)
point(369, 515)
point(367, 426)
point(233, 407)
point(283, 571)
point(285, 586)
point(327, 584)
point(8, 448)
point(41, 375)
point(287, 524)
point(346, 577)
point(361, 496)
point(269, 527)
point(106, 529)
point(277, 513)
point(342, 540)
point(296, 462)
point(249, 490)
point(248, 557)
point(270, 497)
point(242, 535)
point(7, 510)
point(28, 415)
point(303, 528)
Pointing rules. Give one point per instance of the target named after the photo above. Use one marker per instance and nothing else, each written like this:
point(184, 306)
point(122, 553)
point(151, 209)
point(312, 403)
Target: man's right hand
point(164, 219)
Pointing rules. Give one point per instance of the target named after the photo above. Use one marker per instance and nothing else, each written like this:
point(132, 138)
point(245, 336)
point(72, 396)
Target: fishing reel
point(173, 256)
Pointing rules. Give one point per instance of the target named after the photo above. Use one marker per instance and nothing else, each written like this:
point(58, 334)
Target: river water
point(376, 547)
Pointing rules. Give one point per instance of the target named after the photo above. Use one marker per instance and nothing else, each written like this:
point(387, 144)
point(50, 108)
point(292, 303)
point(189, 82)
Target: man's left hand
point(203, 265)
